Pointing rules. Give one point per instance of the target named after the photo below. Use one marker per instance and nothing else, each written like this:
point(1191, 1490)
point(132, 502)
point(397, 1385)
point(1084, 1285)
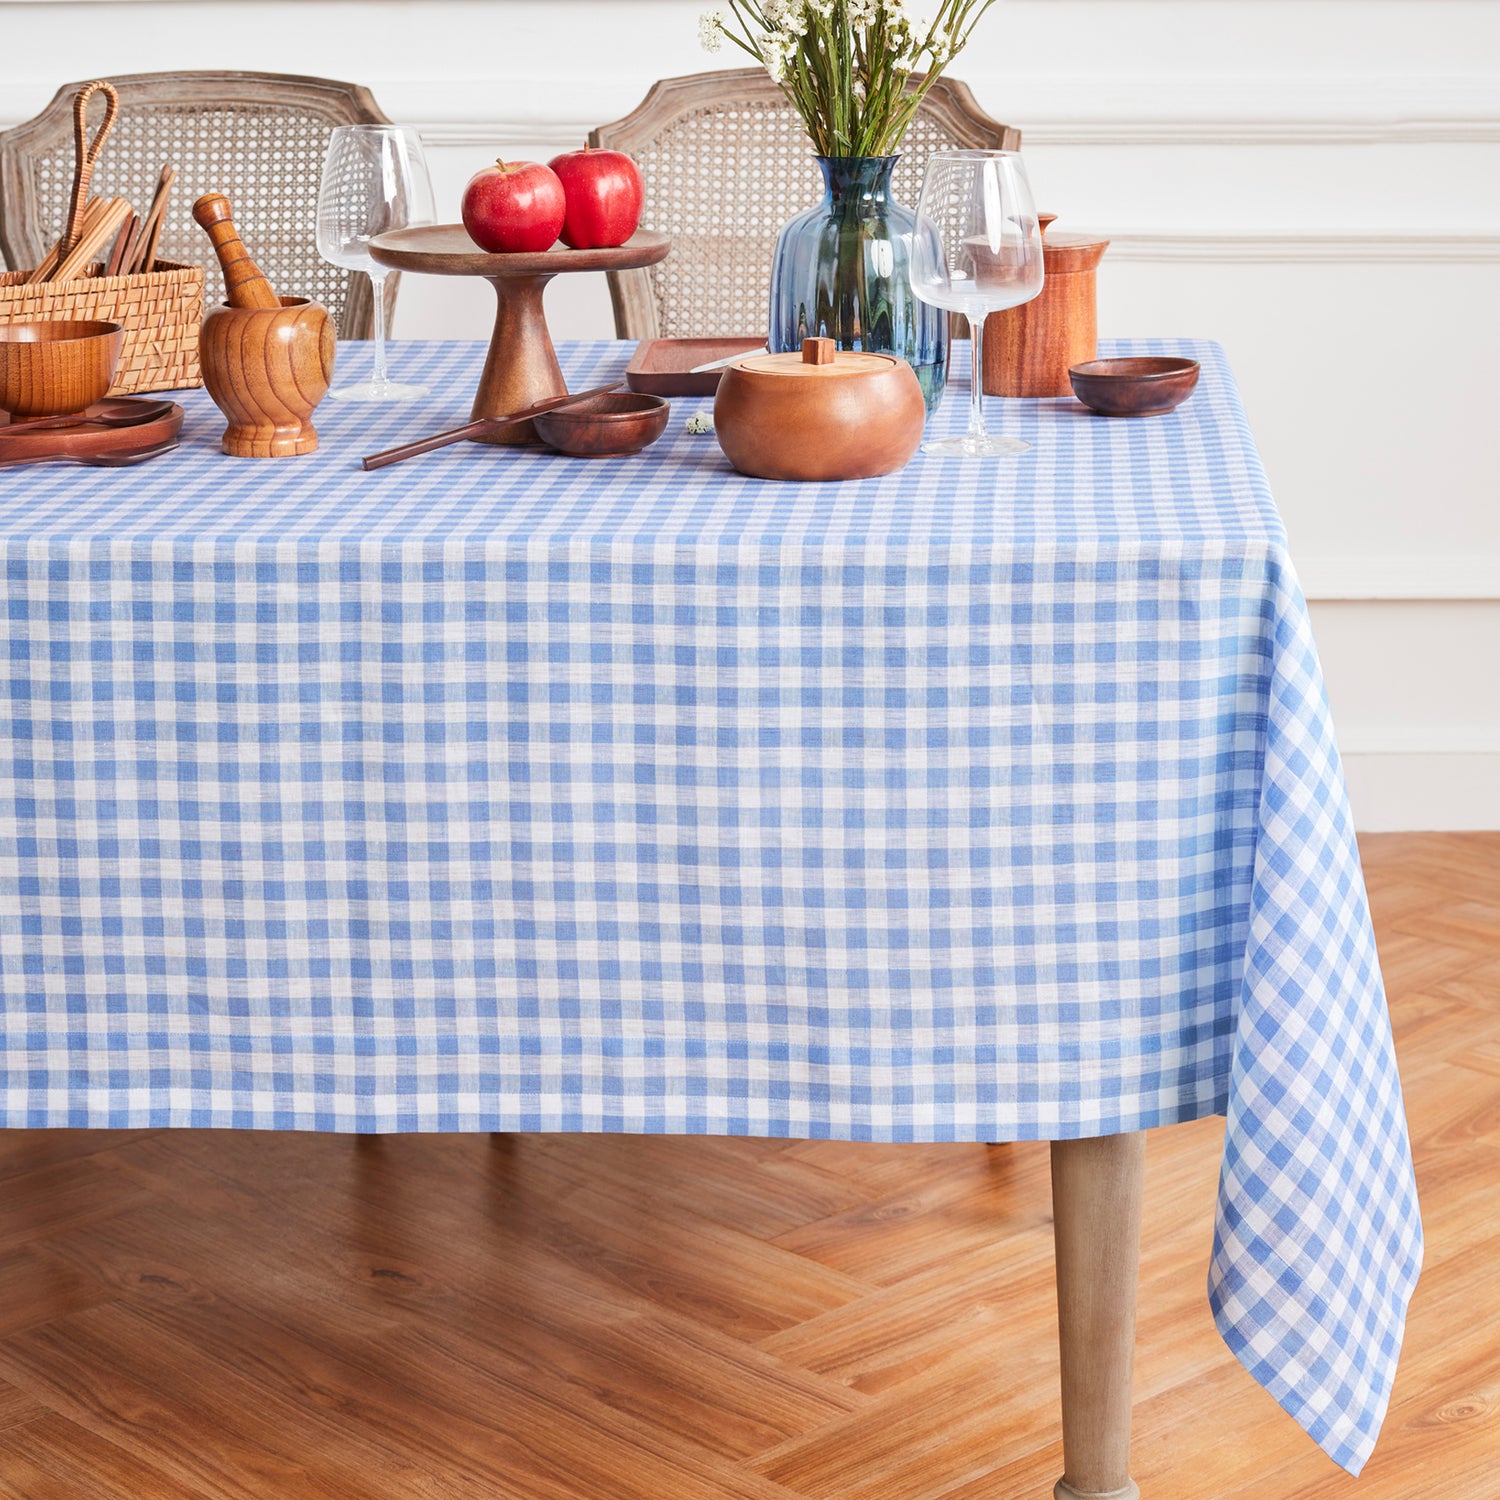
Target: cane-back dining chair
point(726, 162)
point(259, 138)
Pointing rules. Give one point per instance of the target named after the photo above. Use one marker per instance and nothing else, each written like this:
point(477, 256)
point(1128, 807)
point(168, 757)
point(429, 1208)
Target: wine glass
point(977, 249)
point(374, 179)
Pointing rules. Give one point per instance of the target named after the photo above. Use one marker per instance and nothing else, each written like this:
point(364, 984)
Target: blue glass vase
point(840, 272)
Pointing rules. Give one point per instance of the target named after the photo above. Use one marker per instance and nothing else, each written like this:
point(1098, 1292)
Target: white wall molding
point(1105, 109)
point(487, 134)
point(1061, 131)
point(1410, 579)
point(1422, 739)
point(1293, 245)
point(1290, 130)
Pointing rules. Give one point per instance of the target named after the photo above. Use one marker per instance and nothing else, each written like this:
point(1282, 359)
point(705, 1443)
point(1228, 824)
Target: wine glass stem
point(976, 395)
point(377, 290)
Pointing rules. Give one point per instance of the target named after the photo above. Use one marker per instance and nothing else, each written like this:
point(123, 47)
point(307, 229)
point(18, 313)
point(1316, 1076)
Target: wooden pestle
point(244, 283)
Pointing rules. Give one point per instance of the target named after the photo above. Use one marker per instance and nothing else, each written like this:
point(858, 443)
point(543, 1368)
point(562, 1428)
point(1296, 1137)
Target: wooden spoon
point(481, 426)
point(133, 416)
point(123, 458)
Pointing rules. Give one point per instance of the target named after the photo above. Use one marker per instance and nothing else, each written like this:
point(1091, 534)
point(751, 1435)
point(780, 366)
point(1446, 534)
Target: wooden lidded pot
point(820, 414)
point(1029, 349)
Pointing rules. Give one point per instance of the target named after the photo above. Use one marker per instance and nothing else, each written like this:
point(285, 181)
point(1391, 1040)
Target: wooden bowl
point(1141, 387)
point(57, 367)
point(605, 426)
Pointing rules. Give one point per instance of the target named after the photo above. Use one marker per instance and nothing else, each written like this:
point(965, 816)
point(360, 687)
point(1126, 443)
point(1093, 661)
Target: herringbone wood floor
point(192, 1315)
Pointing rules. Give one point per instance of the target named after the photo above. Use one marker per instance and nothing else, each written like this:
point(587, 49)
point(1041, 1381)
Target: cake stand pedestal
point(521, 368)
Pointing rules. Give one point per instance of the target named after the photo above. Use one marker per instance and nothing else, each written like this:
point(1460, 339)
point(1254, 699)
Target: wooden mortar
point(267, 360)
point(267, 369)
point(1029, 349)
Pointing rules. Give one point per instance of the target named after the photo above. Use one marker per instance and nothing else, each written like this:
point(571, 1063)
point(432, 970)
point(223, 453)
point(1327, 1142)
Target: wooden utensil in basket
point(85, 153)
point(104, 269)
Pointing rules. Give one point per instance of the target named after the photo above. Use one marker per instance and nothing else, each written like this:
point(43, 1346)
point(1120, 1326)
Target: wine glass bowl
point(375, 179)
point(977, 249)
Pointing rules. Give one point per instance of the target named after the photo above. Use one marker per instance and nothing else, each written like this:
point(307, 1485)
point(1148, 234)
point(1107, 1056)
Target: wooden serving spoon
point(133, 416)
point(124, 458)
point(481, 427)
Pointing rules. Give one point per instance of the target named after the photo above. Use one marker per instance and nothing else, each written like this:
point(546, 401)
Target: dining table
point(504, 791)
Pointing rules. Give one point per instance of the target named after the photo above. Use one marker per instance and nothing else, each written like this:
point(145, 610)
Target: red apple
point(604, 195)
point(514, 205)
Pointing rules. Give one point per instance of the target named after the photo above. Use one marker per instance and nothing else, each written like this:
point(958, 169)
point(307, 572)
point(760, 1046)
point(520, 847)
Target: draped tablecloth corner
point(1313, 1303)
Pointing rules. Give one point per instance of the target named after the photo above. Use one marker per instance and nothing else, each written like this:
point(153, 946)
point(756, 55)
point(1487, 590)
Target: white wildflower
point(700, 422)
point(776, 52)
point(861, 12)
point(711, 30)
point(906, 28)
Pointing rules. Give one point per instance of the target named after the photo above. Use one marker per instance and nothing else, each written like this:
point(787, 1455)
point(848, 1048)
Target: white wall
point(1316, 183)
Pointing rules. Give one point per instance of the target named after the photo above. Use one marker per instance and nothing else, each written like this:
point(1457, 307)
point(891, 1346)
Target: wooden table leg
point(1096, 1208)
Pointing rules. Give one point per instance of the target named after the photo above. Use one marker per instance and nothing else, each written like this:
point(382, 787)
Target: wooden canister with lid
point(821, 414)
point(1028, 349)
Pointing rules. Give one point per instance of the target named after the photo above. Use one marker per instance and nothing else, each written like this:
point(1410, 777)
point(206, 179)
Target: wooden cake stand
point(521, 368)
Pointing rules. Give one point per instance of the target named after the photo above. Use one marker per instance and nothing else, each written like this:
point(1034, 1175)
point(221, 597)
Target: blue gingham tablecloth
point(502, 791)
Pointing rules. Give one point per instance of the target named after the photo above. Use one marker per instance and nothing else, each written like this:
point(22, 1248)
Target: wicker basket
point(161, 310)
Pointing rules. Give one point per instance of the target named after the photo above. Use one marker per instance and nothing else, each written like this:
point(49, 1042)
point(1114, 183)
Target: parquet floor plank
point(60, 1195)
point(34, 1288)
point(684, 1376)
point(54, 1459)
point(192, 1409)
point(1471, 924)
point(1478, 985)
point(905, 1233)
point(224, 1315)
point(17, 1408)
point(1416, 965)
point(58, 1147)
point(761, 1197)
point(929, 1324)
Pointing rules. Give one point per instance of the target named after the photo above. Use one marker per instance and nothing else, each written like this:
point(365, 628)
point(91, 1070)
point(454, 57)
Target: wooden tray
point(662, 367)
point(85, 436)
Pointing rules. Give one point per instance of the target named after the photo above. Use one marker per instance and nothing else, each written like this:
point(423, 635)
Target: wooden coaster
point(89, 435)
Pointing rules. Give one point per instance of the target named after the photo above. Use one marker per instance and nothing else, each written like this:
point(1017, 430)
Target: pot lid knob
point(818, 351)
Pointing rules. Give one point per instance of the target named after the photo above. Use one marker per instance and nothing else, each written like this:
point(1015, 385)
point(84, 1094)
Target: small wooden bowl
point(605, 426)
point(57, 367)
point(1140, 387)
